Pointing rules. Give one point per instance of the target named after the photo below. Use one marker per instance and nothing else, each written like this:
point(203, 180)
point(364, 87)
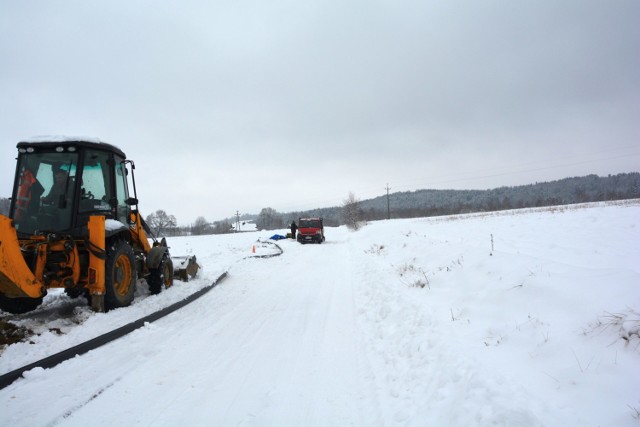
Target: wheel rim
point(122, 275)
point(167, 273)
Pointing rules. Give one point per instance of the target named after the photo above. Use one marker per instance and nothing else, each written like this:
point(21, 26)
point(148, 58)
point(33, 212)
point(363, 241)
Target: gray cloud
point(242, 105)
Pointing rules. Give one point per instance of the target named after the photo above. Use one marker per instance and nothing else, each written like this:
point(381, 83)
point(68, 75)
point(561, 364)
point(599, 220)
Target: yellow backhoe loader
point(73, 225)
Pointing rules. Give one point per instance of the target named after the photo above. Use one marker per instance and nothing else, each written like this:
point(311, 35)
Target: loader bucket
point(185, 267)
point(16, 279)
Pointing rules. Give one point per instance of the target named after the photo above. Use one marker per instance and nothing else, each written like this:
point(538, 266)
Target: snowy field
point(518, 318)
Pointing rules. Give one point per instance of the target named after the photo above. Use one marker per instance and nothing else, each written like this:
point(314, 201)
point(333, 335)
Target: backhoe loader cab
point(73, 225)
point(59, 185)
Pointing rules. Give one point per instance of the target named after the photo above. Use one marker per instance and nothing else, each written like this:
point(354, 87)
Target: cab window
point(95, 188)
point(122, 193)
point(44, 192)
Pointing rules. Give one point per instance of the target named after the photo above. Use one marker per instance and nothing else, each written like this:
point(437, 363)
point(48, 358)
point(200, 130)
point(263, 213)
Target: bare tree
point(222, 227)
point(201, 226)
point(269, 219)
point(160, 222)
point(351, 213)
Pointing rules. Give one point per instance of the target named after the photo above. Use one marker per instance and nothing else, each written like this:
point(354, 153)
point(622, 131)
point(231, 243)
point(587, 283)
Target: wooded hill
point(424, 203)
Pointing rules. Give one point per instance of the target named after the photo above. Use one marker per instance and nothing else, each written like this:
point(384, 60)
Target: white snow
point(65, 139)
point(62, 138)
point(244, 226)
point(113, 225)
point(519, 318)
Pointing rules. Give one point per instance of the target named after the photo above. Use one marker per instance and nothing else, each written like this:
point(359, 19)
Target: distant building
point(246, 225)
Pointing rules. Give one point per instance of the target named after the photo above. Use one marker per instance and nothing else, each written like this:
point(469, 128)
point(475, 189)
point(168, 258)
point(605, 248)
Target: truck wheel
point(19, 305)
point(163, 275)
point(120, 275)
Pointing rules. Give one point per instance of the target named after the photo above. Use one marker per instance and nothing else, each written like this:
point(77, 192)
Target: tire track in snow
point(276, 344)
point(309, 323)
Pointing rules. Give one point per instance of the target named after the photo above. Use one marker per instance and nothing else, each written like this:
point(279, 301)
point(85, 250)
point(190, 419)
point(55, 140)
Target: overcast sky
point(238, 105)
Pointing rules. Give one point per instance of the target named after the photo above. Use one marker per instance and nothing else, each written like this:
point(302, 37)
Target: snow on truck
point(310, 230)
point(73, 225)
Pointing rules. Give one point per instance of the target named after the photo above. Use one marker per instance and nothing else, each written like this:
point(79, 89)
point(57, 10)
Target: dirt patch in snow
point(11, 334)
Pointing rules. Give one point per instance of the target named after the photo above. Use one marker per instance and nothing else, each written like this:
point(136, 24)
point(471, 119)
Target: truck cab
point(310, 230)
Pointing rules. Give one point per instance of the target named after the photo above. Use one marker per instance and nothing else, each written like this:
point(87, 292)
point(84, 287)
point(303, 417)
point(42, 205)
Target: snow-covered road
point(405, 322)
point(256, 349)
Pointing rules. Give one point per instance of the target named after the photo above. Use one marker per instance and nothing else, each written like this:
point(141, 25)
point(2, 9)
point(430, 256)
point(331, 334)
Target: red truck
point(310, 230)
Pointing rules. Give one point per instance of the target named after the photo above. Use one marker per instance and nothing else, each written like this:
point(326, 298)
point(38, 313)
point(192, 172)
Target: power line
point(388, 204)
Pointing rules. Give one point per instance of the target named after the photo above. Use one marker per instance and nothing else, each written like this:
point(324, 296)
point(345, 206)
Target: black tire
point(120, 275)
point(19, 305)
point(163, 275)
point(74, 292)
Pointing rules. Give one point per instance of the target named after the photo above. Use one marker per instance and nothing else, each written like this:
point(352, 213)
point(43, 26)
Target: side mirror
point(131, 201)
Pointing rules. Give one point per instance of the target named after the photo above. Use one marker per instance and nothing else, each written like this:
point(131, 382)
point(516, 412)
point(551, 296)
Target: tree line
point(425, 203)
point(163, 224)
point(419, 203)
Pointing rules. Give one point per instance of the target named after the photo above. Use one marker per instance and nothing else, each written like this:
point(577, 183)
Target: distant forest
point(424, 203)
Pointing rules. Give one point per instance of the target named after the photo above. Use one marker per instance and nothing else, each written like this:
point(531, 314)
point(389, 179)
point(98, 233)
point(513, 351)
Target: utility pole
point(237, 221)
point(388, 206)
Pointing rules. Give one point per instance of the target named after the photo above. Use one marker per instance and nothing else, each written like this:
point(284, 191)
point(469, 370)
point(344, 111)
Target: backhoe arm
point(138, 235)
point(16, 279)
